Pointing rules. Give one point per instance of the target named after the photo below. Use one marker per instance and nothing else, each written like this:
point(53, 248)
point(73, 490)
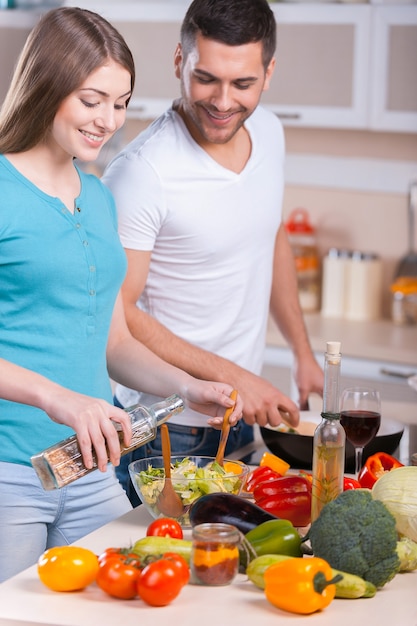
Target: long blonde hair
point(60, 53)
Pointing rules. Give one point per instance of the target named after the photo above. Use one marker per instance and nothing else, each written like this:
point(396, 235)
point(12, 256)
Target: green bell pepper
point(276, 536)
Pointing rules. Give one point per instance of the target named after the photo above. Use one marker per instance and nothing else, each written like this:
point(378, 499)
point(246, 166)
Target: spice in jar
point(215, 554)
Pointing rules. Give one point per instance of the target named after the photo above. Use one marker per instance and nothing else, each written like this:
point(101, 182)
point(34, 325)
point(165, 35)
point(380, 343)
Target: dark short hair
point(232, 22)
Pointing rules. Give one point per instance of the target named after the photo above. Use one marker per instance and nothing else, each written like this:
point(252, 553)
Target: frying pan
point(408, 264)
point(297, 450)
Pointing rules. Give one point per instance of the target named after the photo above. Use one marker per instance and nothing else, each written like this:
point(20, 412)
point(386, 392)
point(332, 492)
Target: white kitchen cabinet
point(393, 104)
point(338, 66)
point(345, 66)
point(152, 44)
point(322, 70)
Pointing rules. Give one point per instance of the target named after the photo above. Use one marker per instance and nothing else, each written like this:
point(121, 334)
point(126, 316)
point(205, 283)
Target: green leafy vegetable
point(397, 489)
point(189, 481)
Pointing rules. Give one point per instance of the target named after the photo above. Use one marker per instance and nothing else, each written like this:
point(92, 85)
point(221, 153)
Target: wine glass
point(360, 416)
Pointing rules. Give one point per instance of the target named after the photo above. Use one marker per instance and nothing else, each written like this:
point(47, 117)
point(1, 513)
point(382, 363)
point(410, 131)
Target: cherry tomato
point(118, 575)
point(180, 563)
point(165, 527)
point(159, 582)
point(67, 568)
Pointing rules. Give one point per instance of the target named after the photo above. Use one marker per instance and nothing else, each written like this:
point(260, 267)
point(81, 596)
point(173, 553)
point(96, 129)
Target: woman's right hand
point(92, 420)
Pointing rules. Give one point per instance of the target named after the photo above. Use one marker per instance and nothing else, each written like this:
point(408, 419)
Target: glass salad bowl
point(191, 478)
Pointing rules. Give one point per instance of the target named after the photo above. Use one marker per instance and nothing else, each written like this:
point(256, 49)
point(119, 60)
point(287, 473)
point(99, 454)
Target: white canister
point(334, 282)
point(363, 287)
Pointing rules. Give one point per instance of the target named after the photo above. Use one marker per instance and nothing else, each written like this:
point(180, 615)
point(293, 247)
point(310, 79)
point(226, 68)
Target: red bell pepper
point(348, 482)
point(287, 497)
point(375, 466)
point(260, 475)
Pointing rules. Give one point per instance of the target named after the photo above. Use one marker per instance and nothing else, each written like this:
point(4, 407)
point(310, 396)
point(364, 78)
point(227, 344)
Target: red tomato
point(118, 576)
point(115, 553)
point(165, 527)
point(181, 564)
point(159, 582)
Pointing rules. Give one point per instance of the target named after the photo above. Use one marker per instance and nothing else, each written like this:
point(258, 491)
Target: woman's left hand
point(212, 399)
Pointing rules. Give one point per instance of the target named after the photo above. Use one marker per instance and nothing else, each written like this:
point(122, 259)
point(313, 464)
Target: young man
point(199, 197)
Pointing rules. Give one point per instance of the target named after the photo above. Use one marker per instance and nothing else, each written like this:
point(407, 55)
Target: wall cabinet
point(322, 65)
point(394, 68)
point(338, 65)
point(321, 76)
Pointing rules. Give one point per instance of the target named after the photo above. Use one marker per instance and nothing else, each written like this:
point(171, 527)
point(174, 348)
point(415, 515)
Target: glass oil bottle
point(62, 463)
point(329, 437)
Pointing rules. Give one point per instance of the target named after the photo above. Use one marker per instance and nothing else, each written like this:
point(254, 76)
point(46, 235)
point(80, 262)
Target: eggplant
point(227, 508)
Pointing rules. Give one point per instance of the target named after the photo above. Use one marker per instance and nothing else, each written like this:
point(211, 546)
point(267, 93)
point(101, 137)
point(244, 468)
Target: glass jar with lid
point(214, 554)
point(302, 238)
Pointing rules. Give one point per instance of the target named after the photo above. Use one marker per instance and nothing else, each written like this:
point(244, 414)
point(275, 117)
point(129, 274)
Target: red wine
point(360, 426)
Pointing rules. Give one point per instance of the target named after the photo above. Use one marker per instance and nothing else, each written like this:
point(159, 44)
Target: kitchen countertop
point(24, 600)
point(378, 340)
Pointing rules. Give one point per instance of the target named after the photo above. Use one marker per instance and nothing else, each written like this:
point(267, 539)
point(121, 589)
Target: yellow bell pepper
point(300, 585)
point(275, 463)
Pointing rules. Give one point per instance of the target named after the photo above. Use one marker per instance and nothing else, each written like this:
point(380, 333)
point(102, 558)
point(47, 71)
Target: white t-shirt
point(212, 235)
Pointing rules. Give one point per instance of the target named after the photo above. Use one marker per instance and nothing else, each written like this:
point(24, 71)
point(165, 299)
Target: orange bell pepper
point(274, 462)
point(375, 466)
point(300, 585)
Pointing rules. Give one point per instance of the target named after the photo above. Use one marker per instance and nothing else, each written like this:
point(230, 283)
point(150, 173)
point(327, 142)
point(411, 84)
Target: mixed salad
point(188, 480)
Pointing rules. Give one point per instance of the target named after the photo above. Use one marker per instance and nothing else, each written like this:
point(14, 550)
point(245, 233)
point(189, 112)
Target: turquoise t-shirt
point(59, 277)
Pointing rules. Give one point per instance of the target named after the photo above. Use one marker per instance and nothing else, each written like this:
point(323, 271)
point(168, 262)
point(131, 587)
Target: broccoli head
point(357, 534)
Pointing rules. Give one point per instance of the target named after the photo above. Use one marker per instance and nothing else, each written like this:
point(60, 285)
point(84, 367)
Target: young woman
point(62, 324)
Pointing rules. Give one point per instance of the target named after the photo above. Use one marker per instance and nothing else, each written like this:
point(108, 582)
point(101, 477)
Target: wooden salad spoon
point(169, 502)
point(225, 430)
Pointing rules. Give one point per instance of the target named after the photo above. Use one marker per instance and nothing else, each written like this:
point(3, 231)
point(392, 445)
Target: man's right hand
point(263, 403)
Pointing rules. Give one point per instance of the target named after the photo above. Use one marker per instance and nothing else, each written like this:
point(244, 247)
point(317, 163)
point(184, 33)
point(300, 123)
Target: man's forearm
point(175, 350)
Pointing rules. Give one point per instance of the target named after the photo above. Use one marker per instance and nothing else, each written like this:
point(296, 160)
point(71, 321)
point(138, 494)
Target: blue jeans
point(32, 519)
point(184, 440)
